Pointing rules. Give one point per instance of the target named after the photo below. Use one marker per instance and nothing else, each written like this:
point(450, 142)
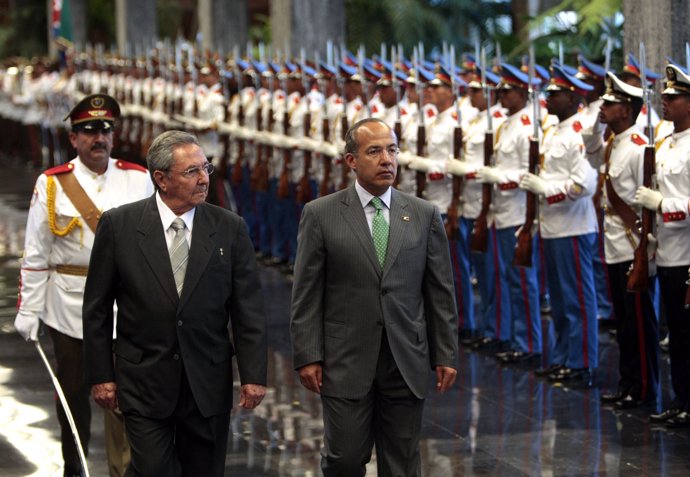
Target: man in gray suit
point(372, 310)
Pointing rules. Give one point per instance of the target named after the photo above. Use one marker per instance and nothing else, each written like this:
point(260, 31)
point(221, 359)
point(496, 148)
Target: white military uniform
point(673, 178)
point(46, 292)
point(625, 170)
point(439, 149)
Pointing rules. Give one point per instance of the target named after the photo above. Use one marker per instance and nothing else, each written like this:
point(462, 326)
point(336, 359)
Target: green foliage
point(26, 33)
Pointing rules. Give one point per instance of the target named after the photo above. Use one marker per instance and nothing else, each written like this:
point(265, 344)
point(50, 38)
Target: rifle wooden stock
point(638, 276)
point(237, 171)
point(259, 177)
point(324, 188)
point(479, 240)
point(304, 188)
point(397, 129)
point(420, 176)
point(225, 159)
point(345, 169)
point(147, 133)
point(523, 247)
point(283, 191)
point(451, 223)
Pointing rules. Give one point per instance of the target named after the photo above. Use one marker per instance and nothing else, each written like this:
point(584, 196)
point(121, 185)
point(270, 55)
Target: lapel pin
point(221, 252)
point(406, 218)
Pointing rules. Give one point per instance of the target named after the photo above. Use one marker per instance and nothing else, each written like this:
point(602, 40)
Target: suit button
point(384, 292)
point(176, 356)
point(179, 323)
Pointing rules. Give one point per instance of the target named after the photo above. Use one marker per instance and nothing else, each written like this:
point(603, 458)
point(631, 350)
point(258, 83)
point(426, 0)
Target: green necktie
point(379, 230)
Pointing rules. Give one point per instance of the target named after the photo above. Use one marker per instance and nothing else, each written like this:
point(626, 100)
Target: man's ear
point(159, 178)
point(351, 161)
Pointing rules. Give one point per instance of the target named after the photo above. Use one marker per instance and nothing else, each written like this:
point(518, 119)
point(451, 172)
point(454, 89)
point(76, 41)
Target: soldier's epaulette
point(498, 114)
point(525, 120)
point(403, 111)
point(374, 109)
point(637, 139)
point(61, 169)
point(358, 107)
point(129, 166)
point(577, 126)
point(430, 113)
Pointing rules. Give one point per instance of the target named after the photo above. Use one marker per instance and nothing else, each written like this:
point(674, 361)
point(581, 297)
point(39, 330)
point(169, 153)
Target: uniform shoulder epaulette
point(403, 111)
point(498, 114)
point(577, 126)
point(374, 109)
point(644, 109)
point(637, 139)
point(129, 166)
point(525, 120)
point(61, 169)
point(358, 107)
point(430, 113)
point(338, 100)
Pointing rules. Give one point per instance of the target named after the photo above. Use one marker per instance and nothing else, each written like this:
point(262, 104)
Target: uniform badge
point(525, 120)
point(97, 102)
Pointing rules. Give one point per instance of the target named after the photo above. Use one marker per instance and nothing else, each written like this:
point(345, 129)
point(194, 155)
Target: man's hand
point(648, 198)
point(445, 377)
point(488, 175)
point(251, 395)
point(533, 183)
point(458, 168)
point(105, 395)
point(311, 377)
point(27, 326)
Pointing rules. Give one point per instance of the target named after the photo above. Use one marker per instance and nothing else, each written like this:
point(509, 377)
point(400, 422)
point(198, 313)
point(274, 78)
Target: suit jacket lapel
point(199, 253)
point(354, 215)
point(153, 245)
point(396, 231)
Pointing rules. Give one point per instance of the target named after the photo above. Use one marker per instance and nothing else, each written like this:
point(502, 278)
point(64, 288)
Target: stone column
point(223, 24)
point(307, 24)
point(663, 26)
point(135, 23)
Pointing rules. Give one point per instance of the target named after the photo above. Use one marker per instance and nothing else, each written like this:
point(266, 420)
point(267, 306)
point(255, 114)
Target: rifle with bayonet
point(523, 246)
point(283, 191)
point(344, 126)
point(324, 187)
point(397, 126)
point(259, 175)
point(479, 240)
point(237, 168)
point(420, 176)
point(225, 137)
point(638, 275)
point(304, 187)
point(451, 222)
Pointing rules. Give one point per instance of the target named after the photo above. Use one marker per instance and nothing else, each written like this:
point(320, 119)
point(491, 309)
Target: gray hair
point(160, 155)
point(351, 144)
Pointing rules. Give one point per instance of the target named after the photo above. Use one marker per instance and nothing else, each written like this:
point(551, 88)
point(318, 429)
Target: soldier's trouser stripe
point(581, 301)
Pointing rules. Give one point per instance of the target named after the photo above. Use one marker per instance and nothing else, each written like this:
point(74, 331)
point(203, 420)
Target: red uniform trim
point(577, 126)
point(637, 139)
point(581, 301)
point(61, 169)
point(508, 186)
point(528, 315)
point(129, 166)
point(525, 120)
point(436, 176)
point(555, 198)
point(673, 216)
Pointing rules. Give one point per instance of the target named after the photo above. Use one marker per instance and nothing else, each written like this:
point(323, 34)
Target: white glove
point(648, 198)
point(405, 157)
point(458, 168)
point(27, 326)
point(533, 183)
point(420, 164)
point(488, 175)
point(533, 229)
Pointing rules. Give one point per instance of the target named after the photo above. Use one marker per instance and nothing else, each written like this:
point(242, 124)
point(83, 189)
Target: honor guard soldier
point(672, 203)
point(631, 75)
point(519, 325)
point(636, 324)
point(474, 136)
point(566, 182)
point(592, 133)
point(66, 205)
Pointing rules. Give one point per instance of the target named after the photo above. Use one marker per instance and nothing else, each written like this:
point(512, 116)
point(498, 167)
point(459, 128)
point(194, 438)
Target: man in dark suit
point(181, 271)
point(373, 310)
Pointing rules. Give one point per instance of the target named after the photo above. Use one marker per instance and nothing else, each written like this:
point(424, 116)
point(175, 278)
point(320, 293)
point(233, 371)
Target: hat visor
point(613, 98)
point(93, 125)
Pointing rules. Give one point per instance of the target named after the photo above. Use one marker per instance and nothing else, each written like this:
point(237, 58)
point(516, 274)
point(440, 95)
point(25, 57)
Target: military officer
point(65, 208)
point(566, 181)
point(672, 203)
point(636, 324)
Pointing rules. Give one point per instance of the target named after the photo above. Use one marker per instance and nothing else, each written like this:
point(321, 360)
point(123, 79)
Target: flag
point(62, 23)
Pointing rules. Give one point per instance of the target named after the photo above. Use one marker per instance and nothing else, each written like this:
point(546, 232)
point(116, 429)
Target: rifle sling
point(623, 210)
point(81, 201)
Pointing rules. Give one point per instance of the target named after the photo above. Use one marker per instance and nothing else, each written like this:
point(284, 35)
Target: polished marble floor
point(497, 421)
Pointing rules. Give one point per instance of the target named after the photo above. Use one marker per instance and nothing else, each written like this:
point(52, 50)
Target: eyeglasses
point(208, 168)
point(376, 152)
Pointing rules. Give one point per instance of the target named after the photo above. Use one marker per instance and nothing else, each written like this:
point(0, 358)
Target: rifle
point(224, 160)
point(324, 188)
point(344, 126)
point(420, 176)
point(638, 275)
point(283, 191)
point(523, 246)
point(259, 175)
point(397, 127)
point(451, 223)
point(147, 133)
point(304, 187)
point(479, 240)
point(237, 171)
